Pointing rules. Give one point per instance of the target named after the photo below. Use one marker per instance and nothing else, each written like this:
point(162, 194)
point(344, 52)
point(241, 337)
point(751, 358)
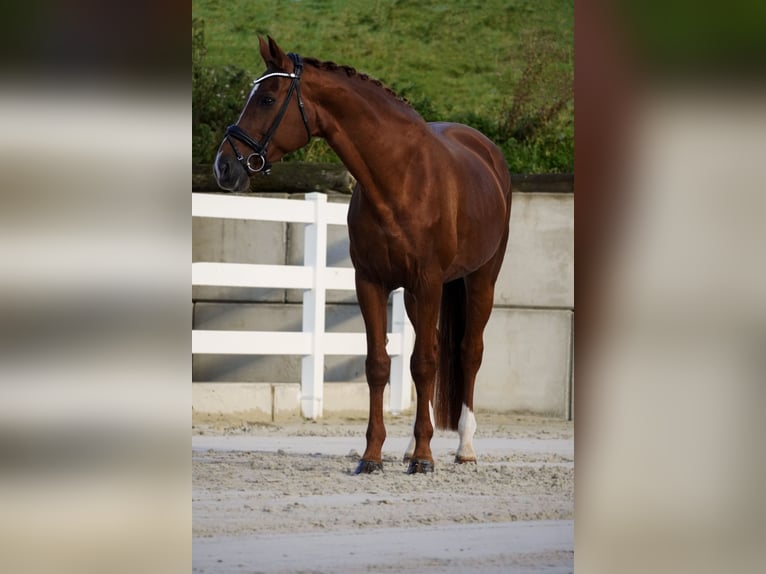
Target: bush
point(536, 128)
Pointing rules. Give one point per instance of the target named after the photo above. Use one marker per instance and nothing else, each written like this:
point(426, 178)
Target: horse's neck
point(373, 134)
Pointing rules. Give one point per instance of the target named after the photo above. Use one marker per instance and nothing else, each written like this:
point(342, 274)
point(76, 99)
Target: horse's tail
point(448, 400)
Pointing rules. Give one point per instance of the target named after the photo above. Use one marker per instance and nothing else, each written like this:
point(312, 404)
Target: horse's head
point(273, 122)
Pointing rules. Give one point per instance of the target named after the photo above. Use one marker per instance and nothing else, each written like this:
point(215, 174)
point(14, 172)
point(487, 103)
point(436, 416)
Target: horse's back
point(474, 152)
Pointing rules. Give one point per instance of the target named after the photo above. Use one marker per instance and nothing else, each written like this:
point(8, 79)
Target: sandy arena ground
point(282, 497)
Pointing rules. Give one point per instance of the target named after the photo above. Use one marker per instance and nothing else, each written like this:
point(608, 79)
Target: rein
point(259, 148)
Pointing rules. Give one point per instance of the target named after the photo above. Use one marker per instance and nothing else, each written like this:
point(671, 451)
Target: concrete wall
point(528, 341)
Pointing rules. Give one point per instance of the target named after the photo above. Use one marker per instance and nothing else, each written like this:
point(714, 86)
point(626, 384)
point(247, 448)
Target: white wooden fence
point(315, 278)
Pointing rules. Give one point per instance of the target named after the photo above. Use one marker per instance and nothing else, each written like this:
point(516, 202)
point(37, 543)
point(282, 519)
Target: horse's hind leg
point(480, 289)
point(373, 299)
point(478, 308)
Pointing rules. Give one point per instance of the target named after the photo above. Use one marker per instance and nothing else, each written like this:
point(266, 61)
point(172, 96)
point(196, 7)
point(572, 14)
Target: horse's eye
point(267, 101)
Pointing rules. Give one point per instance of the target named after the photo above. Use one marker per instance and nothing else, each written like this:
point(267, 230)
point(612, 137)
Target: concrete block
point(526, 366)
point(351, 399)
point(276, 368)
point(254, 401)
point(286, 400)
point(261, 402)
point(251, 399)
point(247, 316)
point(246, 368)
point(538, 270)
point(238, 241)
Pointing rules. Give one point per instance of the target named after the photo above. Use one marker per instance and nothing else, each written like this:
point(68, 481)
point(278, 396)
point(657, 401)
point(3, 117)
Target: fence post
point(315, 256)
point(401, 381)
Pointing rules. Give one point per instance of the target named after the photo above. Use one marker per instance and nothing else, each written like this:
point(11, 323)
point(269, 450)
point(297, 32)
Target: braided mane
point(332, 67)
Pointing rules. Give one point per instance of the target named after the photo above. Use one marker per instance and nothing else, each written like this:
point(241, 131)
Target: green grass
point(454, 59)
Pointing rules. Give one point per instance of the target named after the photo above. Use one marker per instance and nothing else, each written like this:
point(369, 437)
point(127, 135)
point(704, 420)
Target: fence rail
point(315, 278)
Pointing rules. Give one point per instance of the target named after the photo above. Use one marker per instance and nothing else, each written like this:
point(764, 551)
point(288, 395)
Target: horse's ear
point(272, 54)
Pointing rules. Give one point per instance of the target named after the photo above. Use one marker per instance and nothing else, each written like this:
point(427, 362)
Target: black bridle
point(259, 148)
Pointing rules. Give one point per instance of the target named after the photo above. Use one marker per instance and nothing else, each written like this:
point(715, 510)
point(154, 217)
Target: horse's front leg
point(423, 368)
point(373, 299)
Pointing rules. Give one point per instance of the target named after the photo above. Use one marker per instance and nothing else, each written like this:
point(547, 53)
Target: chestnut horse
point(430, 213)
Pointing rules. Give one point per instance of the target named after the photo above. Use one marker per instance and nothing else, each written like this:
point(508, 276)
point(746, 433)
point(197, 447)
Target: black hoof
point(461, 460)
point(368, 467)
point(420, 466)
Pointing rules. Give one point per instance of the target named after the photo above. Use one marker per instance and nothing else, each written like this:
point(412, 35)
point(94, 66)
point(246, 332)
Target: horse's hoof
point(368, 467)
point(420, 466)
point(465, 460)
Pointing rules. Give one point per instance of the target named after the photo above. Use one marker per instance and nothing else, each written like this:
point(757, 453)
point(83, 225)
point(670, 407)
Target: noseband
point(259, 148)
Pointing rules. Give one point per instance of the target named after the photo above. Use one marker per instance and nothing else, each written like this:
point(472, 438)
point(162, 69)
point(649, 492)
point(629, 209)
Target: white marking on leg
point(466, 427)
point(431, 414)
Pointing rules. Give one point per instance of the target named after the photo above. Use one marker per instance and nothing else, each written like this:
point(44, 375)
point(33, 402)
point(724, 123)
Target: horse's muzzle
point(230, 175)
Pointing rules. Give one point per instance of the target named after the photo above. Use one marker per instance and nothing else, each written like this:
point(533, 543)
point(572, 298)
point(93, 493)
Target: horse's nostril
point(223, 168)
